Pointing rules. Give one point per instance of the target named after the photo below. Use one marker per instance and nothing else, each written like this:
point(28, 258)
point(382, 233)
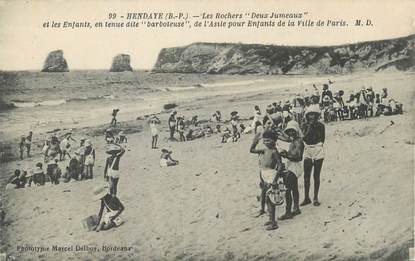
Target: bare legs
point(154, 142)
point(308, 166)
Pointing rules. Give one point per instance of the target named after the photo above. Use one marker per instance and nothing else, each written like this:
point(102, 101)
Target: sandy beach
point(204, 208)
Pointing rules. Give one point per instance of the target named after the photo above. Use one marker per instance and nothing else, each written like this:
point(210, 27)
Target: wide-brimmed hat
point(234, 113)
point(166, 151)
point(29, 173)
point(312, 109)
point(293, 125)
point(37, 170)
point(99, 192)
point(88, 143)
point(112, 148)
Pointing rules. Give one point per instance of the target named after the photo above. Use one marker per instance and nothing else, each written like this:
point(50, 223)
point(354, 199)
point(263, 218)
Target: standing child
point(22, 145)
point(293, 167)
point(314, 137)
point(29, 143)
point(89, 160)
point(172, 124)
point(235, 132)
point(270, 167)
point(112, 166)
point(114, 117)
point(66, 146)
point(80, 153)
point(153, 122)
point(180, 128)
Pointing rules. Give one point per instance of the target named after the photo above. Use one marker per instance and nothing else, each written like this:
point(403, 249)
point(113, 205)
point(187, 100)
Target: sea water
point(47, 101)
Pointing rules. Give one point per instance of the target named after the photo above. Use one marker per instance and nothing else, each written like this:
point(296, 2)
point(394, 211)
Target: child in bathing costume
point(270, 168)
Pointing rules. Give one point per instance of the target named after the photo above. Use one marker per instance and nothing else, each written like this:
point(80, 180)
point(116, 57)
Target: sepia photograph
point(207, 130)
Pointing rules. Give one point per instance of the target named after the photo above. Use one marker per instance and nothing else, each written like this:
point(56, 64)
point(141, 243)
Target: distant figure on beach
point(22, 146)
point(172, 124)
point(166, 160)
point(339, 104)
point(217, 116)
point(370, 94)
point(66, 146)
point(114, 117)
point(53, 150)
point(153, 122)
point(257, 121)
point(270, 169)
point(314, 137)
point(226, 135)
point(110, 209)
point(180, 127)
point(298, 108)
point(80, 154)
point(112, 166)
point(54, 172)
point(29, 143)
point(235, 132)
point(293, 168)
point(89, 160)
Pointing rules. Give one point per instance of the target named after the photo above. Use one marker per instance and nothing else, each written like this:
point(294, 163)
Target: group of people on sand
point(292, 146)
point(78, 162)
point(281, 168)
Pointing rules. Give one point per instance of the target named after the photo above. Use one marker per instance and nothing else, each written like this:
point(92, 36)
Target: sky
point(25, 43)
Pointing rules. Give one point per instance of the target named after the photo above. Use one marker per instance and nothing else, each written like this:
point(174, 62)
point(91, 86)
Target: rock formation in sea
point(230, 58)
point(55, 62)
point(121, 63)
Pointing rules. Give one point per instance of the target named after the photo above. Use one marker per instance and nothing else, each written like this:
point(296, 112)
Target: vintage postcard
point(207, 130)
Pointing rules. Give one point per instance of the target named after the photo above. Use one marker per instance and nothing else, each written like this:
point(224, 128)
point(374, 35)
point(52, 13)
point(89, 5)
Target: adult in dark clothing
point(314, 137)
point(172, 124)
point(326, 92)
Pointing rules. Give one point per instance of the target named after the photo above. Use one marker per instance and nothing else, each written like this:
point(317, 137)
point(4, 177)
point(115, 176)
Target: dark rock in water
point(55, 62)
point(121, 63)
point(230, 58)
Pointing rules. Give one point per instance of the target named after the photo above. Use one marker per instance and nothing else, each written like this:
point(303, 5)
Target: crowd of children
point(295, 122)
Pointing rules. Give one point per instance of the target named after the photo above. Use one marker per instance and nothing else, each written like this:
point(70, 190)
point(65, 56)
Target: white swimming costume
point(314, 152)
point(268, 175)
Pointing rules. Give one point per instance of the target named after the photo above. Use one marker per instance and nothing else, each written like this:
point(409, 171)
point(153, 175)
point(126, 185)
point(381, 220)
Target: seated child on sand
point(110, 210)
point(38, 177)
point(270, 168)
point(15, 180)
point(166, 160)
